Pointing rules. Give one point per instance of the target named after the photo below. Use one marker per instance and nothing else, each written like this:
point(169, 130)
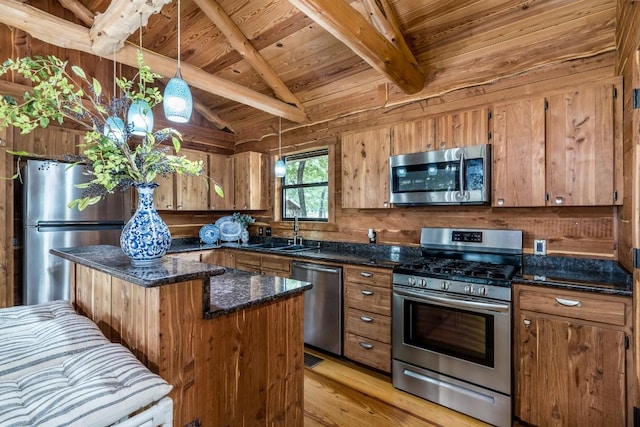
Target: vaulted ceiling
point(310, 61)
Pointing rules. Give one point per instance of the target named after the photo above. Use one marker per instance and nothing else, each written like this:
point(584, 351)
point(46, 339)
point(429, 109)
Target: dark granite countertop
point(236, 290)
point(111, 260)
point(591, 275)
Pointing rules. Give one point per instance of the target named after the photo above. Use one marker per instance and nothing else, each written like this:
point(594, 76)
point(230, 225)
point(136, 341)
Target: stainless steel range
point(452, 321)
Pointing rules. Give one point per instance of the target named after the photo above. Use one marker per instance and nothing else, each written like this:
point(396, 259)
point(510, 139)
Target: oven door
point(462, 337)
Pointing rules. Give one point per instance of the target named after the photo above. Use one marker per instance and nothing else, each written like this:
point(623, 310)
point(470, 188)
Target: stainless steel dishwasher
point(322, 305)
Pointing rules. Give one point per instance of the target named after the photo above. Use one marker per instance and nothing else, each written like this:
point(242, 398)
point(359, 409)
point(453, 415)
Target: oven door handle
point(456, 303)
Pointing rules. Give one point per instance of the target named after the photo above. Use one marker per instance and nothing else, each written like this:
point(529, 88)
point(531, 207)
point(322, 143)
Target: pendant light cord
point(179, 36)
point(280, 137)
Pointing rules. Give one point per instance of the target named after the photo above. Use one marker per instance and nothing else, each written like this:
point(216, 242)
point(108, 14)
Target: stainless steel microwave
point(450, 177)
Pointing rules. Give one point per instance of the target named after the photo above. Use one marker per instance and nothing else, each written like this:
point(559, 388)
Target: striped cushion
point(25, 315)
point(45, 343)
point(94, 388)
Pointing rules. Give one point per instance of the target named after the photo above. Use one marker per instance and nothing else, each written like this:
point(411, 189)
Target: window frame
point(318, 152)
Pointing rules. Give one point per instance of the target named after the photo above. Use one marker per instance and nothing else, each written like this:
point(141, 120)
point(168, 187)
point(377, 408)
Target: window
point(305, 187)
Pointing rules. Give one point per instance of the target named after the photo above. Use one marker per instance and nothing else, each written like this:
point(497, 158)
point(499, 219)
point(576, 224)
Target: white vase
point(245, 236)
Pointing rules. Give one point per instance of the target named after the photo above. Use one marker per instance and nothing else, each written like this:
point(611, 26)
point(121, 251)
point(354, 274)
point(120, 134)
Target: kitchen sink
point(269, 245)
point(294, 248)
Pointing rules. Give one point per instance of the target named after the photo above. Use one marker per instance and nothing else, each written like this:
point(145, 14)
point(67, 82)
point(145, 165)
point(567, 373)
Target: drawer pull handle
point(366, 345)
point(366, 274)
point(365, 292)
point(366, 319)
point(568, 302)
point(527, 323)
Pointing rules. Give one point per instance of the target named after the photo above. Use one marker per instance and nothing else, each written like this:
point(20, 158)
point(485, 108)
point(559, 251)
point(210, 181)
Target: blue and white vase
point(145, 238)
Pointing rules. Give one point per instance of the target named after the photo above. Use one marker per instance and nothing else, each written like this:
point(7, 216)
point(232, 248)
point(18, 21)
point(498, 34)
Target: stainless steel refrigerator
point(49, 223)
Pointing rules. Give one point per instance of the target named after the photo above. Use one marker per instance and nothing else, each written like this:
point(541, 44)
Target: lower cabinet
point(222, 257)
point(270, 265)
point(571, 357)
point(367, 313)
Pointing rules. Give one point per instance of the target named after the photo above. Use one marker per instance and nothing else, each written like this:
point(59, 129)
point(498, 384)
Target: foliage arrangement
point(112, 163)
point(243, 219)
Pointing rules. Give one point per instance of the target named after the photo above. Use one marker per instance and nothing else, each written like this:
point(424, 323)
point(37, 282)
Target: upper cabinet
point(457, 129)
point(192, 192)
point(365, 168)
point(560, 150)
point(221, 171)
point(249, 187)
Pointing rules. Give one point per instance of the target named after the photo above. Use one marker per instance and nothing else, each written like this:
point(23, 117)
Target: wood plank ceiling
point(311, 61)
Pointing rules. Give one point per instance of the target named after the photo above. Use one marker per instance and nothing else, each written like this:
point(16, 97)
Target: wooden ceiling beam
point(385, 19)
point(79, 10)
point(351, 28)
point(240, 43)
point(121, 19)
point(62, 33)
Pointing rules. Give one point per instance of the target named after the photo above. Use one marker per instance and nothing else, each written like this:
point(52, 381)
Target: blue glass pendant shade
point(177, 102)
point(114, 129)
point(140, 118)
point(281, 168)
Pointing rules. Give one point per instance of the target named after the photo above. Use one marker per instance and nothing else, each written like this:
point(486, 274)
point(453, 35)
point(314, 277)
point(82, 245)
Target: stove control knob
point(482, 291)
point(445, 285)
point(468, 289)
point(411, 281)
point(423, 282)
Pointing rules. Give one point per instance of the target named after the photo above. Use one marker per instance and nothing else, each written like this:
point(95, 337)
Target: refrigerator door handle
point(78, 225)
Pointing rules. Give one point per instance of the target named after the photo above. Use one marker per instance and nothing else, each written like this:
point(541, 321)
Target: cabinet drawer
point(370, 276)
point(578, 305)
point(248, 259)
point(367, 351)
point(368, 298)
point(276, 263)
point(248, 267)
point(366, 324)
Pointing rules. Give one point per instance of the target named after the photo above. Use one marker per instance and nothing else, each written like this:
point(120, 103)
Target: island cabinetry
point(241, 368)
point(367, 313)
point(571, 357)
point(271, 265)
point(563, 149)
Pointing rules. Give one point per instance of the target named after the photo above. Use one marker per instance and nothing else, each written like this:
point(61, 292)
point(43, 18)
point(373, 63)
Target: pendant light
point(114, 125)
point(177, 102)
point(140, 116)
point(281, 167)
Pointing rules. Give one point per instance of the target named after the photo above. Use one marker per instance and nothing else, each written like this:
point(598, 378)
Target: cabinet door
point(249, 193)
point(164, 194)
point(221, 171)
point(365, 169)
point(192, 191)
point(411, 137)
point(519, 153)
point(222, 257)
point(457, 129)
point(569, 374)
point(580, 147)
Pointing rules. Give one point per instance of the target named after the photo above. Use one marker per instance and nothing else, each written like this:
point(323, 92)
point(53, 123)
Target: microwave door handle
point(461, 176)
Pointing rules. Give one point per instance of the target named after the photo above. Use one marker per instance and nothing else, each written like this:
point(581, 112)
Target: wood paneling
point(246, 367)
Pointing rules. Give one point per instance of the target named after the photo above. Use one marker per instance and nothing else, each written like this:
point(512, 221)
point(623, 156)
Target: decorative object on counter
point(209, 233)
point(114, 159)
point(244, 220)
point(145, 238)
point(230, 230)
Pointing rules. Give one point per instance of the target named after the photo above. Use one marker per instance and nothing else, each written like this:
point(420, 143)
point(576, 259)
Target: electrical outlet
point(260, 231)
point(268, 231)
point(539, 247)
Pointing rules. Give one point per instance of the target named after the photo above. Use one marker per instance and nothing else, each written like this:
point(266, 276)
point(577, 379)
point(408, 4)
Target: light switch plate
point(539, 247)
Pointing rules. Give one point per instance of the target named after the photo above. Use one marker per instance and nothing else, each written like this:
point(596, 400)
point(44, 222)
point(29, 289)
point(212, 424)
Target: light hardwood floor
point(339, 393)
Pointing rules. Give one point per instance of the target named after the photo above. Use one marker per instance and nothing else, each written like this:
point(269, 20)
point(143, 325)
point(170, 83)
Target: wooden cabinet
point(571, 356)
point(249, 189)
point(222, 257)
point(559, 150)
point(456, 129)
point(367, 314)
point(365, 169)
point(192, 192)
point(270, 265)
point(163, 195)
point(221, 171)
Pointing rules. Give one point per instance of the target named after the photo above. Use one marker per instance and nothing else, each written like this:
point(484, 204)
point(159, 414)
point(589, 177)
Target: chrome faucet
point(297, 240)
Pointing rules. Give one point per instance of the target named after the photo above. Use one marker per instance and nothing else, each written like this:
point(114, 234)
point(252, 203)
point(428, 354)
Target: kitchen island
point(230, 343)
